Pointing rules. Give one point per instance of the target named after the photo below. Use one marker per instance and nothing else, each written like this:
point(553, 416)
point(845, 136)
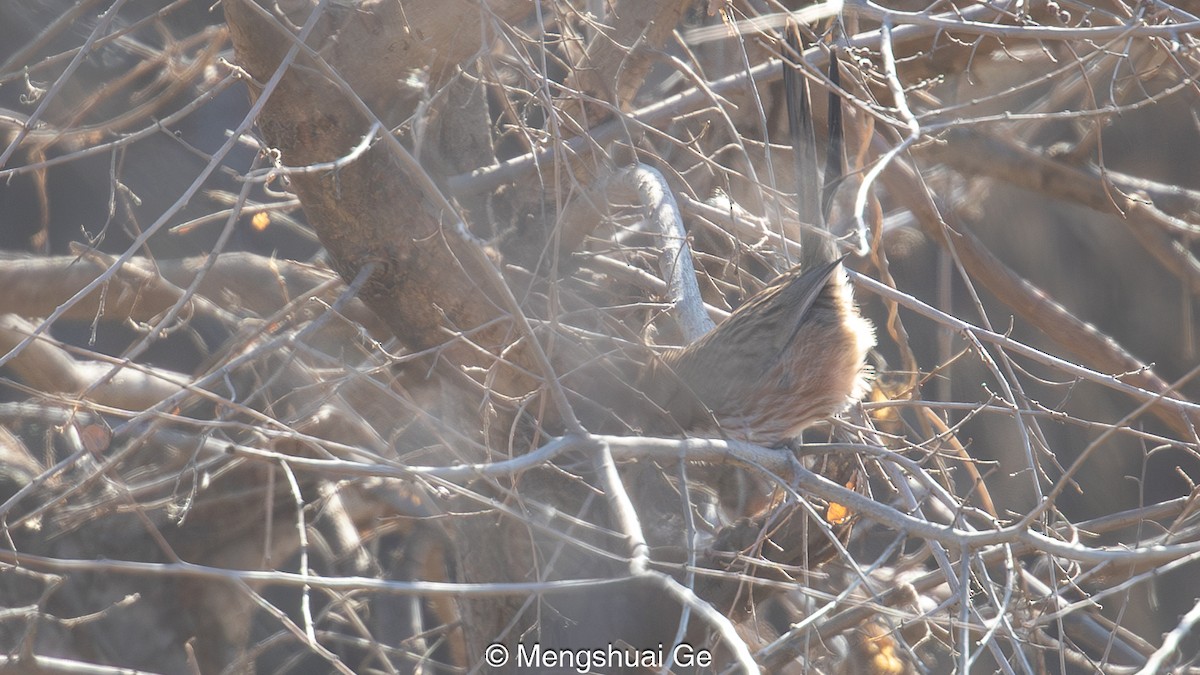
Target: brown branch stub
point(239, 283)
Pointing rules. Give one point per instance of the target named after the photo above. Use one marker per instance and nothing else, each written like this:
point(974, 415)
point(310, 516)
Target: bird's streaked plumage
point(791, 355)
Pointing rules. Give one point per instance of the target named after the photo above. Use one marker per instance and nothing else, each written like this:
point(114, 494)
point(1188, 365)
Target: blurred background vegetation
point(195, 288)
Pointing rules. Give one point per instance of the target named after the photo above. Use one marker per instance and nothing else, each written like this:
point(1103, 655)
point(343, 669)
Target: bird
point(791, 355)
